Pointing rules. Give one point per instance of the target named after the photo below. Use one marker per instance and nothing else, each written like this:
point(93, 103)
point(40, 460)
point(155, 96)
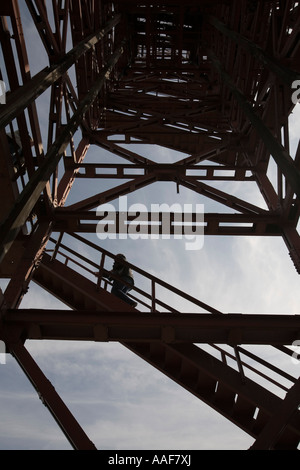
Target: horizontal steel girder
point(91, 325)
point(169, 223)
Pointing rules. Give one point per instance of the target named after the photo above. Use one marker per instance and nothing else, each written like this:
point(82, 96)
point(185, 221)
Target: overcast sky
point(120, 400)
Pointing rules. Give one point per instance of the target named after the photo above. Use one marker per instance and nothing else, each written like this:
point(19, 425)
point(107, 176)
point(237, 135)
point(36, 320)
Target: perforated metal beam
point(168, 223)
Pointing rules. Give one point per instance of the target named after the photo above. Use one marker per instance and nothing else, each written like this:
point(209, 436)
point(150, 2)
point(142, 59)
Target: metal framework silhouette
point(215, 80)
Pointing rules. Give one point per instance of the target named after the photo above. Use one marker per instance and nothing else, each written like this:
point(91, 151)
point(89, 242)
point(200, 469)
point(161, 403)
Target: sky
point(120, 401)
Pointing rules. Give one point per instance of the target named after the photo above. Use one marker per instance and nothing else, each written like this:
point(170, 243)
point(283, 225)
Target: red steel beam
point(71, 172)
point(14, 80)
point(232, 329)
point(24, 269)
point(38, 10)
point(62, 415)
point(151, 177)
point(186, 223)
point(111, 194)
point(125, 171)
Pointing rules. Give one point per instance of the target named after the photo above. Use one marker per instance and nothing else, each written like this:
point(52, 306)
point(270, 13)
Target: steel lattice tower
point(215, 80)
